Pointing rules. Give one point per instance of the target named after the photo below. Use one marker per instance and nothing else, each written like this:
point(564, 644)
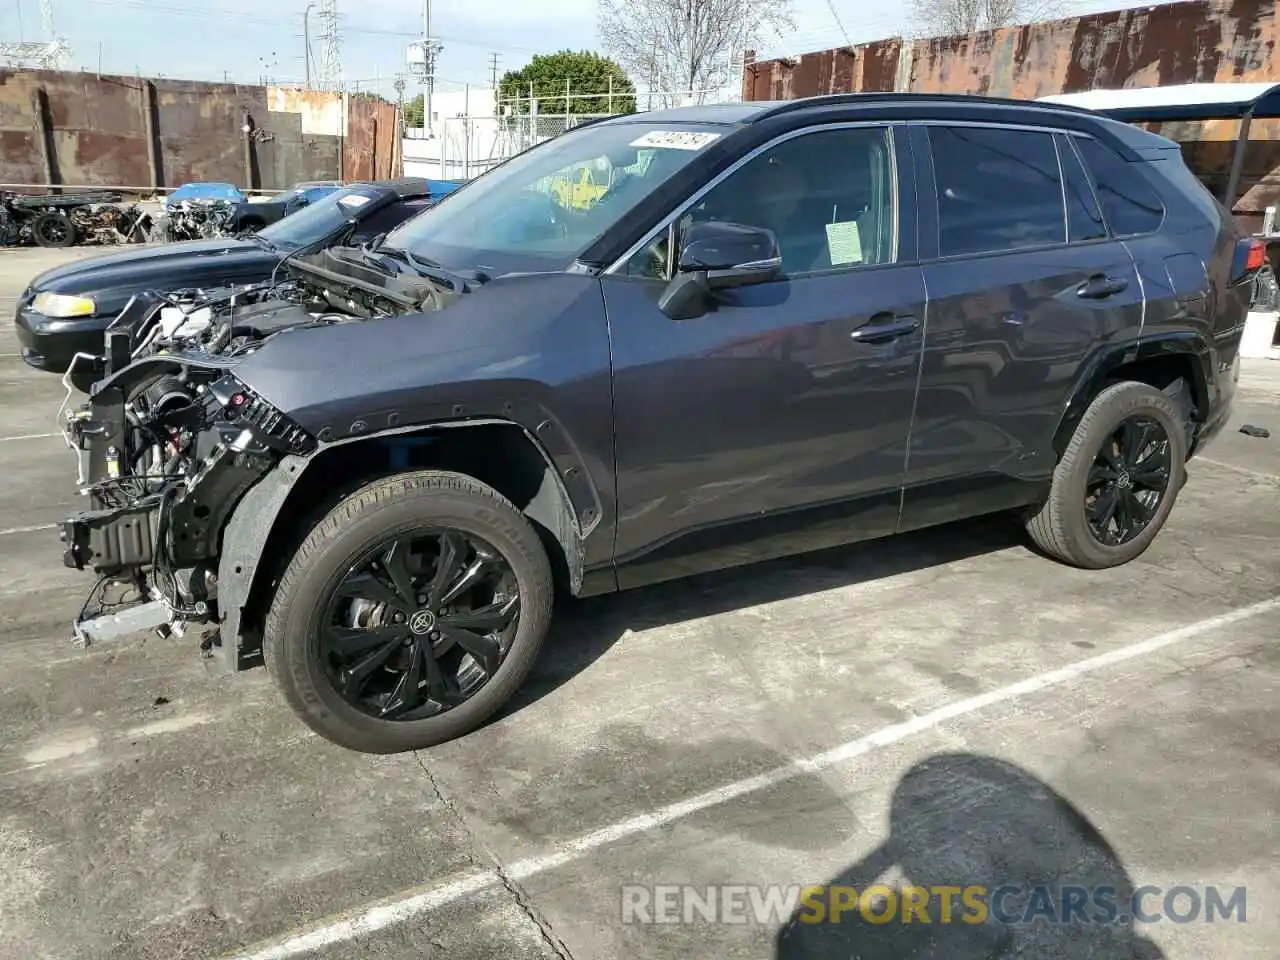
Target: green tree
point(414, 112)
point(588, 77)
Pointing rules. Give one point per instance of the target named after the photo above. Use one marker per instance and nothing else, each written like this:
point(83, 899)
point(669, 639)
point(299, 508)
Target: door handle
point(1099, 287)
point(883, 327)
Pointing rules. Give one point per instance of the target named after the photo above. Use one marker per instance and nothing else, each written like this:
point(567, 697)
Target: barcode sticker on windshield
point(676, 139)
point(354, 200)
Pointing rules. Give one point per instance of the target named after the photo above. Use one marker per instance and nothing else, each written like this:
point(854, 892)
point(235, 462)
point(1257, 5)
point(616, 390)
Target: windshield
point(206, 191)
point(319, 219)
point(542, 209)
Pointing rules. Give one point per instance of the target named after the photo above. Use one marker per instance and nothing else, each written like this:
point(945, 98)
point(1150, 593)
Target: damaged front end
point(167, 449)
point(171, 440)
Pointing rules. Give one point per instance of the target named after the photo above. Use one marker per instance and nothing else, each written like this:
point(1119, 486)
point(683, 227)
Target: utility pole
point(493, 70)
point(422, 56)
point(306, 42)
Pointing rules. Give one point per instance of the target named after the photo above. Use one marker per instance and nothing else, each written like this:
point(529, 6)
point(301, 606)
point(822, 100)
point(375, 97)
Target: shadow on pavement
point(583, 630)
point(961, 819)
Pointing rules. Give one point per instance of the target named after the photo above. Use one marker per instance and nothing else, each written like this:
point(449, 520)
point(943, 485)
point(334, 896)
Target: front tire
point(410, 614)
point(1117, 481)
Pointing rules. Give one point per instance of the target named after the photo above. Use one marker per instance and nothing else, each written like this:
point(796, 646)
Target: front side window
point(829, 196)
point(544, 208)
point(997, 189)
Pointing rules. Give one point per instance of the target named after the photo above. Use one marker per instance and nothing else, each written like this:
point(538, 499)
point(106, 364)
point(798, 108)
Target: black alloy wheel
point(419, 624)
point(53, 230)
point(1128, 480)
point(1118, 479)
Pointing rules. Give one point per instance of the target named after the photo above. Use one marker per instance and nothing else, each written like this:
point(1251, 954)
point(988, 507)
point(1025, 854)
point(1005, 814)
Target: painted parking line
point(1256, 474)
point(30, 436)
point(422, 900)
point(39, 526)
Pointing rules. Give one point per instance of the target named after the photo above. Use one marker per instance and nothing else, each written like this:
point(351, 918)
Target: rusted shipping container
point(82, 129)
point(1186, 42)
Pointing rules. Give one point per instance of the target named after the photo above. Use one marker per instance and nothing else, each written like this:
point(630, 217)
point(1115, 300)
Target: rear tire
point(53, 230)
point(305, 662)
point(1131, 436)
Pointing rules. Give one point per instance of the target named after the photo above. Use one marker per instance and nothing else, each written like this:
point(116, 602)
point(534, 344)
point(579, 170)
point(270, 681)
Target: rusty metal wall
point(85, 129)
point(1181, 42)
point(368, 153)
point(1186, 42)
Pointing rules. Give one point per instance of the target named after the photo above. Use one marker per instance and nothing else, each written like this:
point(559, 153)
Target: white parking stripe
point(423, 900)
point(30, 436)
point(38, 526)
point(1256, 474)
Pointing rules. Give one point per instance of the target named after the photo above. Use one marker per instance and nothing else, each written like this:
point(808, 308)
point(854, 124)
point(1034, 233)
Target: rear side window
point(1130, 204)
point(1084, 217)
point(997, 189)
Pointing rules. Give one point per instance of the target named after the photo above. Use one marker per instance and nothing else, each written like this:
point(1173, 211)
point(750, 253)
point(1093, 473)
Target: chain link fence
point(462, 144)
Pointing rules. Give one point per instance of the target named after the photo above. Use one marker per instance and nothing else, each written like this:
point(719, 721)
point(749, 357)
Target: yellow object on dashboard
point(580, 193)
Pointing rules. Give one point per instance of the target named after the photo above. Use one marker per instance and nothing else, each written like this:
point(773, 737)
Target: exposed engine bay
point(195, 220)
point(171, 439)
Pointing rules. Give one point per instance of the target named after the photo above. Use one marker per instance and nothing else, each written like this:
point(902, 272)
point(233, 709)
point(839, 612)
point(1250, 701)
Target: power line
point(273, 21)
point(839, 23)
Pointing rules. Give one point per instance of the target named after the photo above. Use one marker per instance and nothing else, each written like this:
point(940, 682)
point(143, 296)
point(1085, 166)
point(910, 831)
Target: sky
point(245, 40)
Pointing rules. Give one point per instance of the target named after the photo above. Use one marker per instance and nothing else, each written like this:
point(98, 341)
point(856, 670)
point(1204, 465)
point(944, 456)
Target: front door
point(778, 420)
point(1025, 285)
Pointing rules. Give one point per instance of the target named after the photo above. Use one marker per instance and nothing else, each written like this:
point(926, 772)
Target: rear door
point(1025, 285)
point(778, 420)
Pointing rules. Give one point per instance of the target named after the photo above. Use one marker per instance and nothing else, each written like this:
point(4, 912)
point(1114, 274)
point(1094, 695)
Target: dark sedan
point(64, 311)
point(255, 216)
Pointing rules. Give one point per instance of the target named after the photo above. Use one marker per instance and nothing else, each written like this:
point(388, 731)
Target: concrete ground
point(940, 708)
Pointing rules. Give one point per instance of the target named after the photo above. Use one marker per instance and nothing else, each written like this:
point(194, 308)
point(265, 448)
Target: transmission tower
point(49, 54)
point(330, 51)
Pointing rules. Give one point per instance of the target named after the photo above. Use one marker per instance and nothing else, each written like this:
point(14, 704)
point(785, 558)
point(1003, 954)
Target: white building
point(462, 139)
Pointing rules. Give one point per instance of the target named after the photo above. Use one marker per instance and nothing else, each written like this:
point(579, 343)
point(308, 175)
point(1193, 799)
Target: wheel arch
point(275, 514)
point(1174, 363)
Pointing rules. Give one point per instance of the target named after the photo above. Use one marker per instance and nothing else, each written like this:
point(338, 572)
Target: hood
point(117, 276)
point(351, 376)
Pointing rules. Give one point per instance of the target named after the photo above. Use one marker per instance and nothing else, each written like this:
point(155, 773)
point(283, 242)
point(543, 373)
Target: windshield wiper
point(260, 240)
point(427, 268)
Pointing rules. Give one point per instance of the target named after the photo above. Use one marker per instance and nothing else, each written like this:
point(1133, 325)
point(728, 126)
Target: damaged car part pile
point(196, 219)
point(63, 220)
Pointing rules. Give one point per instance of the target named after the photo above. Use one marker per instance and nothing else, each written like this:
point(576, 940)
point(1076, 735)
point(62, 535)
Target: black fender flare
point(1188, 347)
point(256, 516)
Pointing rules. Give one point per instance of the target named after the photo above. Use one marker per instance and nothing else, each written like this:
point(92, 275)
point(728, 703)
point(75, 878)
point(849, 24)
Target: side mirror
point(718, 256)
point(731, 254)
